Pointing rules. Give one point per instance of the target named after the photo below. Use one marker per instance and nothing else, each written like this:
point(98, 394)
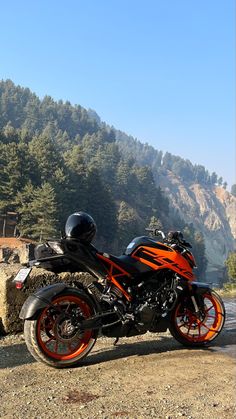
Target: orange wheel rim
point(203, 329)
point(57, 337)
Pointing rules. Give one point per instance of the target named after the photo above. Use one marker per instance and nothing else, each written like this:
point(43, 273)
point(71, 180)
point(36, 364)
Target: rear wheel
point(54, 337)
point(200, 329)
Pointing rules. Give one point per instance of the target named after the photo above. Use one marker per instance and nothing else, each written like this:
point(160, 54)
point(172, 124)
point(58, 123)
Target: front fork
point(193, 292)
point(195, 304)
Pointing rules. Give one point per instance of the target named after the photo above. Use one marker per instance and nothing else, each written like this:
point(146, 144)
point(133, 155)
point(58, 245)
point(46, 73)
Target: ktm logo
point(176, 265)
point(160, 260)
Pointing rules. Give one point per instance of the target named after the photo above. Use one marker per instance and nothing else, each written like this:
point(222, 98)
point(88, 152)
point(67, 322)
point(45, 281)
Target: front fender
point(192, 289)
point(39, 300)
point(198, 288)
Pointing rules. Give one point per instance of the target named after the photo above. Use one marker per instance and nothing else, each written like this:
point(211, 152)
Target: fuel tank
point(159, 256)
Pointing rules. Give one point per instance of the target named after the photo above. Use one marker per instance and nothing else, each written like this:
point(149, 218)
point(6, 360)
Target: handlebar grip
point(155, 232)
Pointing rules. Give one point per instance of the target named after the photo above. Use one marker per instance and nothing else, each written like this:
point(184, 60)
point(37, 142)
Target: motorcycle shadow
point(14, 355)
point(125, 350)
point(159, 345)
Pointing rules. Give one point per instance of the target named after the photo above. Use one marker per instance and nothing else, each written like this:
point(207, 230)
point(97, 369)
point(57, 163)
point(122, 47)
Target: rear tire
point(198, 331)
point(51, 337)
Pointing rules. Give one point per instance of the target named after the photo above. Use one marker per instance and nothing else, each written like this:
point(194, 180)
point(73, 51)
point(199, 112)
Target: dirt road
point(150, 376)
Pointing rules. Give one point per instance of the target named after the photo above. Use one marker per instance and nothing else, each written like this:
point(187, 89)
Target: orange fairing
point(158, 259)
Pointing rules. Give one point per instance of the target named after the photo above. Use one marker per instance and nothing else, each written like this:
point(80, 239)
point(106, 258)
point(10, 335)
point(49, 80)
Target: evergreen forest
point(57, 158)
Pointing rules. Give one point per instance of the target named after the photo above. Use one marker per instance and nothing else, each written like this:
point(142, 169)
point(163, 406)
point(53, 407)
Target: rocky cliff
point(212, 210)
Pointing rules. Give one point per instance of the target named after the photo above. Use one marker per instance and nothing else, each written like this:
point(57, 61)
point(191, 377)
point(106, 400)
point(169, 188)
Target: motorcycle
point(151, 287)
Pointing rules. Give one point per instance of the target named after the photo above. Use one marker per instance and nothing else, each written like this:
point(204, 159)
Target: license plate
point(22, 275)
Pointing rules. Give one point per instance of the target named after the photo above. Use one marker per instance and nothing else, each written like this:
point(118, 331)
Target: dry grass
point(227, 292)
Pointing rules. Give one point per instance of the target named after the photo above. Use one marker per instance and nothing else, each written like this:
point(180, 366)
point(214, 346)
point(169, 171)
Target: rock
point(11, 299)
point(212, 210)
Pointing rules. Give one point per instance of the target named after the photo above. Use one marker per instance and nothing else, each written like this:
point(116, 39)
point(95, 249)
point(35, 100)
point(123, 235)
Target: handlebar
point(156, 232)
point(172, 237)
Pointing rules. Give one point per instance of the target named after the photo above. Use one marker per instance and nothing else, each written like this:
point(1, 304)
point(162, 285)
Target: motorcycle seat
point(129, 264)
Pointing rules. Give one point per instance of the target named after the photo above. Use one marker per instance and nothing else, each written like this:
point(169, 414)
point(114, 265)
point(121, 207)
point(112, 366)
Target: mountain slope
point(79, 162)
point(211, 210)
point(195, 195)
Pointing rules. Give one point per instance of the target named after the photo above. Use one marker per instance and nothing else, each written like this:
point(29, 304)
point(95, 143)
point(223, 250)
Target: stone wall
point(16, 250)
point(11, 299)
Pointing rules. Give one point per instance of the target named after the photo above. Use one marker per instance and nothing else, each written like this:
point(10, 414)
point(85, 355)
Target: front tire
point(52, 337)
point(198, 330)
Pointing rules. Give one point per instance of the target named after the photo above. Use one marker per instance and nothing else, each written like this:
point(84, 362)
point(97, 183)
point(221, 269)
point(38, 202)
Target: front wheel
point(54, 338)
point(200, 329)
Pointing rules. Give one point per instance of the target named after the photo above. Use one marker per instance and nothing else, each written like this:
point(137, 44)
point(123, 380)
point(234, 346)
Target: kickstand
point(115, 341)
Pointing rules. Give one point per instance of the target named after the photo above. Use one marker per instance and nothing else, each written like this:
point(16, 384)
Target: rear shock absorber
point(116, 291)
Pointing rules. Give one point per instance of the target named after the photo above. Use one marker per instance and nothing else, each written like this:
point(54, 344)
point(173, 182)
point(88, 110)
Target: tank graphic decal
point(158, 260)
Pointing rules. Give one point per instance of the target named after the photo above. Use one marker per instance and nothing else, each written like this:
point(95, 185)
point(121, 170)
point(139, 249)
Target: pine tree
point(47, 158)
point(100, 205)
point(44, 211)
point(155, 224)
point(220, 181)
point(15, 167)
point(233, 190)
point(76, 190)
point(24, 200)
point(231, 266)
point(128, 225)
point(199, 250)
point(214, 178)
point(37, 209)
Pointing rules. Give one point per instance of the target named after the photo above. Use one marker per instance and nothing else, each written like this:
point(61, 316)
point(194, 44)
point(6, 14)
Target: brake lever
point(161, 233)
point(155, 232)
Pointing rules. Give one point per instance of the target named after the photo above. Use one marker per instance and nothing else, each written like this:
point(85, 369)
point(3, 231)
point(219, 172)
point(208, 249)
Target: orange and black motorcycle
point(150, 287)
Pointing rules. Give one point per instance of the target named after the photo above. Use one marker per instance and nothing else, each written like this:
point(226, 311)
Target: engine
point(152, 300)
point(156, 298)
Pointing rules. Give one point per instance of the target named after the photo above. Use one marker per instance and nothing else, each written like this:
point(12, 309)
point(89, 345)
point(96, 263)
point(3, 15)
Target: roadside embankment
point(227, 292)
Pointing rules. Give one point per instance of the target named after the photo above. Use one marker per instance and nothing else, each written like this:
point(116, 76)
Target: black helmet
point(80, 225)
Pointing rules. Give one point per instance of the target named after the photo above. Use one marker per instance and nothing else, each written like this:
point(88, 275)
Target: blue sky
point(160, 70)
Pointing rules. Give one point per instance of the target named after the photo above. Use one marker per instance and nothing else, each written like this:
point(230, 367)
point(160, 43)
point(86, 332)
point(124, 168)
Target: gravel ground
point(149, 376)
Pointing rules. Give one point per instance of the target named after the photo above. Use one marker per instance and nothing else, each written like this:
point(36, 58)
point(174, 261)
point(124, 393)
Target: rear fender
point(43, 298)
point(40, 300)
